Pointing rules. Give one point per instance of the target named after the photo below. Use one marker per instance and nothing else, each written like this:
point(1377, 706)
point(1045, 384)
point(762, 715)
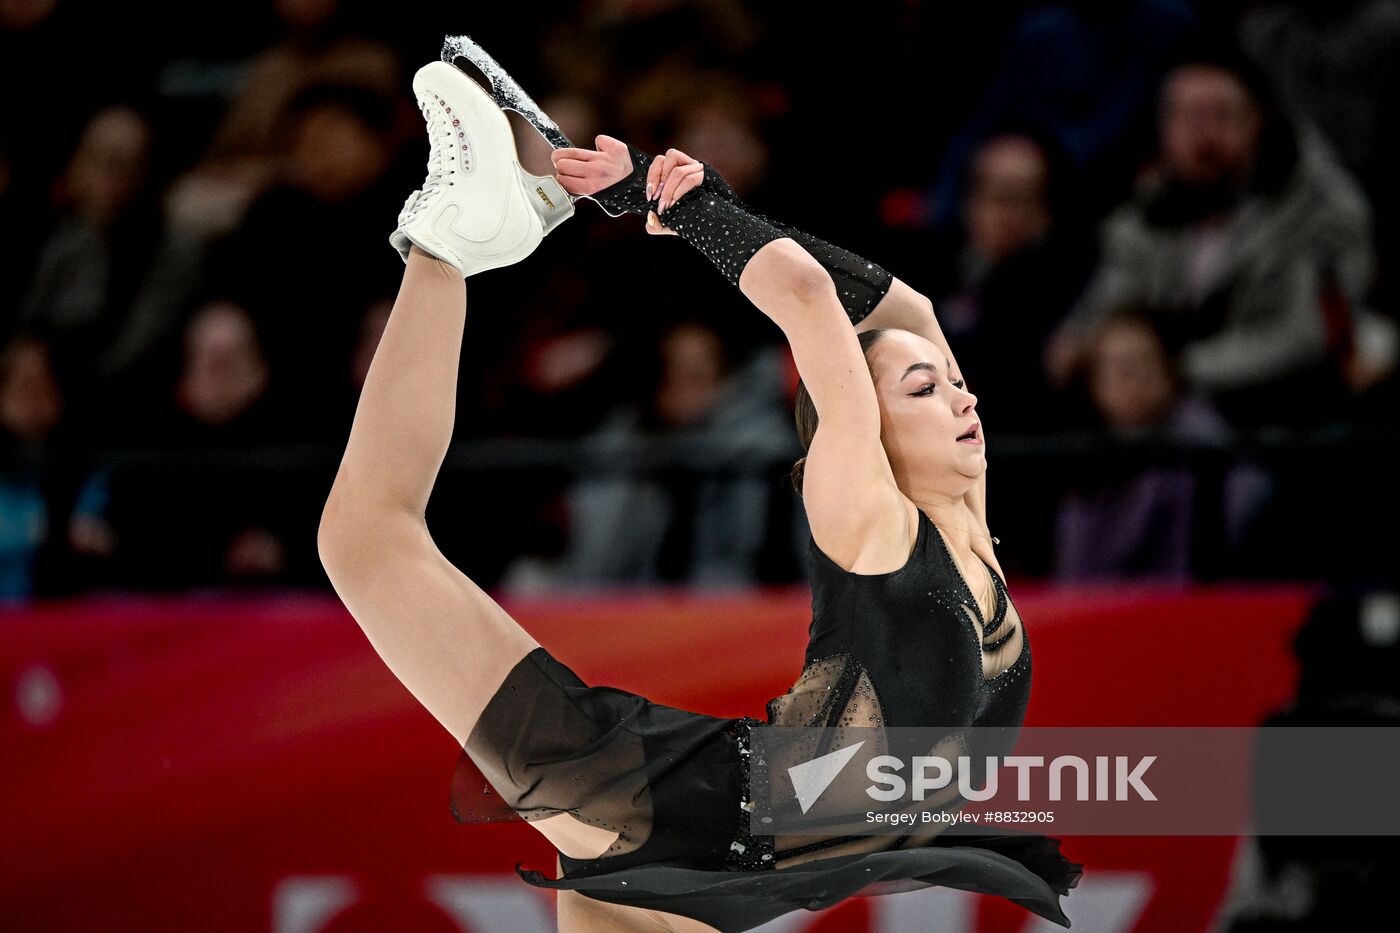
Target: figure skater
point(647, 805)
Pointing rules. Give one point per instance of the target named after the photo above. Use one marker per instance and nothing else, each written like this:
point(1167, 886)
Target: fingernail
point(648, 191)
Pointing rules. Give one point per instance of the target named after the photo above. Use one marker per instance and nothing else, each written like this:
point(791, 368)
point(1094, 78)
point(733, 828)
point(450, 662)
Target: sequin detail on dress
point(749, 852)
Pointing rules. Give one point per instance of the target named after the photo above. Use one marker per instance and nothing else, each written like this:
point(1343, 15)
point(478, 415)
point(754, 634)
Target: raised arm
point(872, 299)
point(852, 501)
point(623, 179)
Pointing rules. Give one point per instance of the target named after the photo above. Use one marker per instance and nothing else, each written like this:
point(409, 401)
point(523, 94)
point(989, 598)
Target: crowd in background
point(1155, 233)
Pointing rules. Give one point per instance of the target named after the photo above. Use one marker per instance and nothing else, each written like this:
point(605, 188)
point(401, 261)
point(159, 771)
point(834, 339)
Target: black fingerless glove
point(629, 195)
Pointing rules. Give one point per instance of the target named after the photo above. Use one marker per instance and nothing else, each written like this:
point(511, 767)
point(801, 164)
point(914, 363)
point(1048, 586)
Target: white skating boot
point(477, 209)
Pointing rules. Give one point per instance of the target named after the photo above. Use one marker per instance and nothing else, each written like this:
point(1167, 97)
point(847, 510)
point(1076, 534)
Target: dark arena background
point(1160, 236)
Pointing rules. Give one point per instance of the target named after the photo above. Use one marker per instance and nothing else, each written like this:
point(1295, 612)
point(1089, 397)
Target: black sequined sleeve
point(721, 230)
point(714, 220)
point(859, 283)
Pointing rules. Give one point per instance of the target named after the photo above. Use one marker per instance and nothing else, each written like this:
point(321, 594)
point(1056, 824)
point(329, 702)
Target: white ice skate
point(477, 209)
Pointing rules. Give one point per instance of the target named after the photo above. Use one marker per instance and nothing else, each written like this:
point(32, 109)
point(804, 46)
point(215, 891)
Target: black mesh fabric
point(548, 743)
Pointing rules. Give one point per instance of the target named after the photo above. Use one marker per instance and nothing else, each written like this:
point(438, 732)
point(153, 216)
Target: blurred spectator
point(244, 156)
point(550, 354)
point(721, 126)
point(335, 188)
point(30, 406)
point(1009, 278)
point(31, 402)
point(1333, 62)
point(1083, 73)
point(38, 479)
point(1124, 519)
point(704, 525)
point(1253, 244)
point(110, 282)
point(644, 53)
point(226, 376)
point(1246, 242)
point(201, 516)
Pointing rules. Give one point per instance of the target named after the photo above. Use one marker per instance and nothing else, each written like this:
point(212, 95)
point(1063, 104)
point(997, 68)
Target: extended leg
point(444, 637)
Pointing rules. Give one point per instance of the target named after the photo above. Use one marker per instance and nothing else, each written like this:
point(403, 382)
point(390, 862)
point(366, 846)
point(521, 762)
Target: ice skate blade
point(507, 94)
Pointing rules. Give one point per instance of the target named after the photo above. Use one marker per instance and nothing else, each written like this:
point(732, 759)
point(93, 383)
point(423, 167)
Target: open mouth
point(971, 435)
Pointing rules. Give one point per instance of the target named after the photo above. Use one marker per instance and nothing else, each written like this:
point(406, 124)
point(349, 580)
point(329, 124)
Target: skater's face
point(926, 414)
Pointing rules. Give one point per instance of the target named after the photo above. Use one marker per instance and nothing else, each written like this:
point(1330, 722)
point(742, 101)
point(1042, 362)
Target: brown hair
point(806, 413)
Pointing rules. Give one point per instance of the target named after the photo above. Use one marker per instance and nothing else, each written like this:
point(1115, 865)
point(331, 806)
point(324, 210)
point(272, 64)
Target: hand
point(583, 172)
point(672, 175)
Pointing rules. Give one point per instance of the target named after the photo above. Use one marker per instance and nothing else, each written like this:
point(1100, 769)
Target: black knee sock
point(715, 221)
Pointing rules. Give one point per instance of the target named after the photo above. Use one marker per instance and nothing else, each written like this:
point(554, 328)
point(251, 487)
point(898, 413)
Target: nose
point(966, 403)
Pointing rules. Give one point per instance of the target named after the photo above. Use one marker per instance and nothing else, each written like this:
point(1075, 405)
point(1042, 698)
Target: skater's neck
point(953, 518)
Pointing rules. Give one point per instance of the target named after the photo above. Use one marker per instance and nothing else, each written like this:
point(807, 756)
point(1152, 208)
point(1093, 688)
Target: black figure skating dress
point(904, 648)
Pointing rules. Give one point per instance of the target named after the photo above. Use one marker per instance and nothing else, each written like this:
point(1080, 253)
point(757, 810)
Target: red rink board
point(217, 763)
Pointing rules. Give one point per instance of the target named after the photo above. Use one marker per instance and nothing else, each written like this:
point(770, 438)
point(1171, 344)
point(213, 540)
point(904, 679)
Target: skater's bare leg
point(448, 641)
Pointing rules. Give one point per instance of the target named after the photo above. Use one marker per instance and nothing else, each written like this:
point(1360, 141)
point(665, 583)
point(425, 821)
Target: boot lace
point(441, 134)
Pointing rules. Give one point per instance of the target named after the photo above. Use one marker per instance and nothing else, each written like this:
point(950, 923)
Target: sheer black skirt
point(674, 785)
